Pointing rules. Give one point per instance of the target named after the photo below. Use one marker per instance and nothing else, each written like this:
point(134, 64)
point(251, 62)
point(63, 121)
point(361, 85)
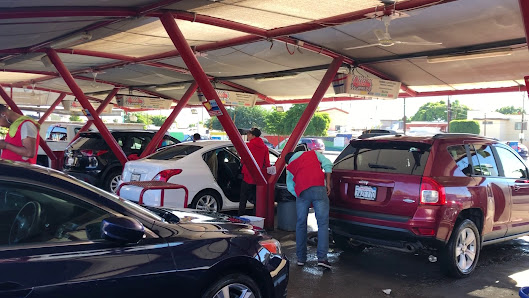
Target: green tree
point(74, 118)
point(274, 123)
point(464, 126)
point(245, 117)
point(158, 120)
point(141, 118)
point(509, 110)
point(437, 111)
point(318, 125)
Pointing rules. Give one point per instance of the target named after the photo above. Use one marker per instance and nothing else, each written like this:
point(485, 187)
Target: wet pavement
point(502, 269)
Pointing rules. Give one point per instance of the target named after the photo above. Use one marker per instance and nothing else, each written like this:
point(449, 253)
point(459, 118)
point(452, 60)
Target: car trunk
point(382, 177)
point(82, 154)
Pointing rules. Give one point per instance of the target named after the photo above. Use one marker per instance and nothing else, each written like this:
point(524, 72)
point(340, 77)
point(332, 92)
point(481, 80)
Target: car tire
point(460, 256)
point(346, 245)
point(238, 285)
point(207, 200)
point(112, 180)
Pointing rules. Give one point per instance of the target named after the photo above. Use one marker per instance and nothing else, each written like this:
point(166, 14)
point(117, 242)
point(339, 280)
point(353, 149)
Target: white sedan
point(211, 171)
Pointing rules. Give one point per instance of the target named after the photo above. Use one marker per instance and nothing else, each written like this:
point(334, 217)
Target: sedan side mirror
point(122, 229)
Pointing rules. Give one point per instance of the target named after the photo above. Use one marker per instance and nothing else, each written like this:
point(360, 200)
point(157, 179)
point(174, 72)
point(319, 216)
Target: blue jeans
point(317, 196)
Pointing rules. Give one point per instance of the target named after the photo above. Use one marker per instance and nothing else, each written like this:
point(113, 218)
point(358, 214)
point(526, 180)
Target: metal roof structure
point(107, 44)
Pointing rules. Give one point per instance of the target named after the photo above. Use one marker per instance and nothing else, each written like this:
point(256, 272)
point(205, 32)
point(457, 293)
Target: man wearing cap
point(22, 141)
point(311, 186)
point(260, 154)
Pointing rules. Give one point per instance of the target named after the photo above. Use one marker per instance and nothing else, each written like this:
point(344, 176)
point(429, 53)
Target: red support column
point(42, 142)
point(159, 135)
point(99, 110)
point(52, 108)
point(298, 132)
point(69, 80)
point(209, 92)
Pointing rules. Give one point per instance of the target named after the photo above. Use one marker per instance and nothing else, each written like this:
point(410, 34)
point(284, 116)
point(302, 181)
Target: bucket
point(286, 216)
point(255, 220)
point(524, 292)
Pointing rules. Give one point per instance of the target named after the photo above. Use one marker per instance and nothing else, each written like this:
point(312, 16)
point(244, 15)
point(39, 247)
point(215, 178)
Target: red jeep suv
point(447, 194)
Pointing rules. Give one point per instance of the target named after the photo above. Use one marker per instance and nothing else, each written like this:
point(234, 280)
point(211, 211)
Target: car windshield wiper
point(377, 166)
point(166, 215)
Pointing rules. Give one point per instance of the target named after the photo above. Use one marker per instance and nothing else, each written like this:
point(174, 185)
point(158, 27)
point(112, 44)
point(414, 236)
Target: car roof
point(427, 138)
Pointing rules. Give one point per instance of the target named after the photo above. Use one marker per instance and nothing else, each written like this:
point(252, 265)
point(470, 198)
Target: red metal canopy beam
point(69, 80)
point(52, 108)
point(524, 10)
point(42, 142)
point(99, 110)
point(163, 129)
point(201, 78)
point(298, 132)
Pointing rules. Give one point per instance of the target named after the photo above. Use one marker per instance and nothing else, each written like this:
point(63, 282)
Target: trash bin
point(524, 292)
point(286, 215)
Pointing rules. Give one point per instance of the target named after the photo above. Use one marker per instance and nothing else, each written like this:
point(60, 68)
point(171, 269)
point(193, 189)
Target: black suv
point(90, 158)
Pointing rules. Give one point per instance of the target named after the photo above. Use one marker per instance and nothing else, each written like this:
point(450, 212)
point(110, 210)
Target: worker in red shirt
point(307, 182)
point(260, 154)
point(22, 141)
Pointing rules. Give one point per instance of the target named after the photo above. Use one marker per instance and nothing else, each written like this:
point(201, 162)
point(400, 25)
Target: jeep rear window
point(174, 152)
point(386, 157)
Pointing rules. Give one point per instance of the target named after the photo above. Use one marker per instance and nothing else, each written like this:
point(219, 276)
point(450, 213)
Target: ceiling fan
point(384, 39)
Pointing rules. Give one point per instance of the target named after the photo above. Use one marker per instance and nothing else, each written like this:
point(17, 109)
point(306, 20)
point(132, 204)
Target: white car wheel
point(207, 200)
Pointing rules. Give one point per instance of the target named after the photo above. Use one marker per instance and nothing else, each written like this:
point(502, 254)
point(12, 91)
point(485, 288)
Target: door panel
point(515, 172)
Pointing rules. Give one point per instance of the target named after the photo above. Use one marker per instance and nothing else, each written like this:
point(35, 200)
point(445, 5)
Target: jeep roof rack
point(458, 135)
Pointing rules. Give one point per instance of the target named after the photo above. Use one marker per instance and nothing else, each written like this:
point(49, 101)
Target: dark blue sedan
point(62, 237)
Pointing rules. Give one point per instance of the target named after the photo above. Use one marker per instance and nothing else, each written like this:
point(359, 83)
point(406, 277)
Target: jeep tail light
point(432, 193)
point(166, 174)
point(88, 152)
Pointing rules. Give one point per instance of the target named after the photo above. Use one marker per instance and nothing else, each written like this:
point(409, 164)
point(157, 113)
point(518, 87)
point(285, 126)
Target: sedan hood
point(204, 221)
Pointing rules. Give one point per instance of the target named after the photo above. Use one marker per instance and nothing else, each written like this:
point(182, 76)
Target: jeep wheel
point(461, 254)
point(112, 181)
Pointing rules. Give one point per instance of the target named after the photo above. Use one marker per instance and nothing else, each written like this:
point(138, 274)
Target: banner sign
point(213, 108)
point(366, 86)
point(136, 102)
point(232, 98)
point(75, 106)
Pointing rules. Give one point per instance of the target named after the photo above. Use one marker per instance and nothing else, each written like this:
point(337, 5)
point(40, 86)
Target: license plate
point(70, 161)
point(365, 192)
point(135, 177)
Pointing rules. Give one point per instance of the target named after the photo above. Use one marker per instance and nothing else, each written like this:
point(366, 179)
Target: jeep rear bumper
point(383, 236)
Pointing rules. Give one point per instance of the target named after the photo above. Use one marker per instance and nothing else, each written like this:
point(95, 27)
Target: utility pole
point(404, 117)
point(523, 112)
point(485, 125)
point(448, 114)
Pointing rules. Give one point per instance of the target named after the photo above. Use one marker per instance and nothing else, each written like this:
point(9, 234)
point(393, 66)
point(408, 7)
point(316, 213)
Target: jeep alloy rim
point(207, 203)
point(114, 183)
point(465, 249)
point(234, 290)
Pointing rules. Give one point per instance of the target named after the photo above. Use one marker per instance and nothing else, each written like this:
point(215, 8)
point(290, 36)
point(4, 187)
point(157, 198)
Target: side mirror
point(122, 229)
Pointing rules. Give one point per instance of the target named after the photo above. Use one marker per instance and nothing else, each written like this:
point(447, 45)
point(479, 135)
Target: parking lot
point(502, 270)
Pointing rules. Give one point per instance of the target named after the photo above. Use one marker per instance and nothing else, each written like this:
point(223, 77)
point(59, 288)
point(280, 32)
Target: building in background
point(339, 119)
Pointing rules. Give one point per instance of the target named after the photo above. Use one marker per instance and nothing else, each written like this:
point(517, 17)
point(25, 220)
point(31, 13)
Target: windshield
point(174, 152)
point(388, 157)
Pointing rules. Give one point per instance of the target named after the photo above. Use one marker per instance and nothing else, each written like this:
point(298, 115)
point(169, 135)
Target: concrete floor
point(502, 270)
